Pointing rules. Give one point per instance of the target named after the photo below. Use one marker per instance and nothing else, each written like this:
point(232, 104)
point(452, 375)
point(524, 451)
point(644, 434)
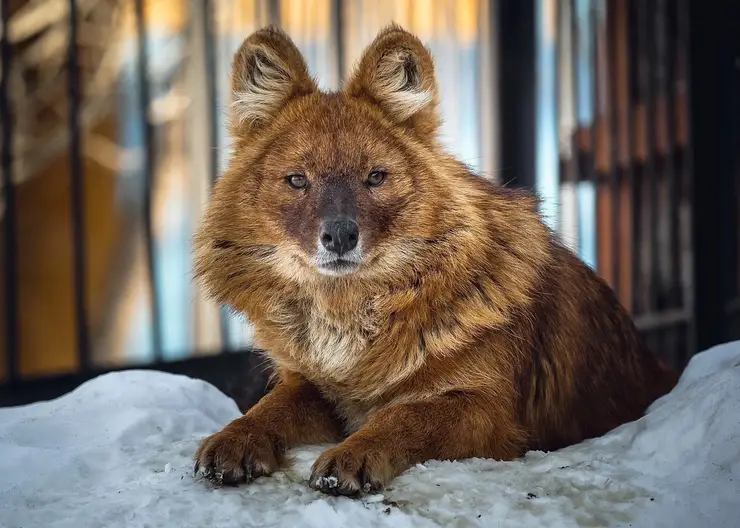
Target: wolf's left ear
point(396, 72)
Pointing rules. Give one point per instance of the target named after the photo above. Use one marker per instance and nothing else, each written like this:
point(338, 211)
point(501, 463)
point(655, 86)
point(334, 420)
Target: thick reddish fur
point(470, 331)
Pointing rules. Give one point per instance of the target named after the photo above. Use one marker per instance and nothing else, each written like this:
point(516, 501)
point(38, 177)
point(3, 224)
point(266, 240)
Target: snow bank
point(117, 452)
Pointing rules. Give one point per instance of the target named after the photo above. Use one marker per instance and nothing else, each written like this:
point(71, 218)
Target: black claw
point(217, 477)
point(256, 472)
point(252, 470)
point(347, 490)
point(331, 484)
point(333, 487)
point(249, 471)
point(196, 467)
point(230, 480)
point(370, 486)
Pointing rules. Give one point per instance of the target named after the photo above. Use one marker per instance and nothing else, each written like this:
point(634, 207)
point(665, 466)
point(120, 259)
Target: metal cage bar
point(149, 171)
point(10, 234)
point(77, 175)
point(212, 95)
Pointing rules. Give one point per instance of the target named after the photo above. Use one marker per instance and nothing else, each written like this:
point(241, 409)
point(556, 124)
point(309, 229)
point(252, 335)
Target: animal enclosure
point(114, 128)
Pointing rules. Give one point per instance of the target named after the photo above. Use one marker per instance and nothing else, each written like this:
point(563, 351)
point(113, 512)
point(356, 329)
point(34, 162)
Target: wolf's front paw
point(237, 454)
point(353, 469)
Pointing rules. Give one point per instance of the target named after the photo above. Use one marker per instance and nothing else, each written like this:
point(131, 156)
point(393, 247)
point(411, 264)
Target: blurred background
point(624, 115)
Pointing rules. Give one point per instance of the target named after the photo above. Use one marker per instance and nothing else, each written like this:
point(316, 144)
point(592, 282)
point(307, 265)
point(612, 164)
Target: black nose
point(339, 235)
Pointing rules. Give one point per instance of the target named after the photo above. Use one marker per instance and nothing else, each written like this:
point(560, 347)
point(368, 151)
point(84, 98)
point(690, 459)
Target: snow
point(118, 452)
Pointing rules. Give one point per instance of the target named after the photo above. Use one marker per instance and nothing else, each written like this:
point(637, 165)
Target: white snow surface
point(118, 452)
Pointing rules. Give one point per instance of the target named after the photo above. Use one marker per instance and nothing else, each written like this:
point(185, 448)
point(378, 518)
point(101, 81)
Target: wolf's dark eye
point(375, 178)
point(297, 181)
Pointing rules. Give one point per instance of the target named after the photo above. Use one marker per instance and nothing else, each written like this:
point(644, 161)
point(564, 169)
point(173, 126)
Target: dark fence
point(647, 119)
point(645, 100)
point(238, 374)
point(715, 120)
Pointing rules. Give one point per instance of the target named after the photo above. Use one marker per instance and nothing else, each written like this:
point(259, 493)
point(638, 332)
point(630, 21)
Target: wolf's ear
point(396, 72)
point(268, 71)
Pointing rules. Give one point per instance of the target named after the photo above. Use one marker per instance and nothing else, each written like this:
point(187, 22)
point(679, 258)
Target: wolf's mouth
point(338, 266)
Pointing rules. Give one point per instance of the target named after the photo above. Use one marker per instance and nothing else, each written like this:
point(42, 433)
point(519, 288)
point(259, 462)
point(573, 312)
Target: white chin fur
point(323, 260)
point(339, 272)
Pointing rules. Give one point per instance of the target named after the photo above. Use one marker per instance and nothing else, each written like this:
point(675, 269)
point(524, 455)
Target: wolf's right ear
point(268, 71)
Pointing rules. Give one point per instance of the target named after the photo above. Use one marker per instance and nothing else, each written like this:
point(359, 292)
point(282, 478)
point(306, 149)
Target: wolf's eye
point(297, 181)
point(375, 178)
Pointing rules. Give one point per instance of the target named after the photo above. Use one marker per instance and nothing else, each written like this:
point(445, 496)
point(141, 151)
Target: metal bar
point(149, 175)
point(613, 132)
point(584, 138)
point(733, 212)
point(78, 193)
point(636, 172)
point(517, 83)
point(713, 46)
point(622, 80)
point(259, 12)
point(669, 38)
point(211, 90)
point(632, 162)
point(656, 162)
point(662, 159)
point(212, 95)
point(558, 110)
point(575, 42)
point(337, 22)
point(576, 162)
point(546, 101)
point(648, 58)
point(488, 96)
point(600, 166)
point(273, 12)
point(567, 122)
point(205, 314)
point(664, 319)
point(10, 247)
point(684, 157)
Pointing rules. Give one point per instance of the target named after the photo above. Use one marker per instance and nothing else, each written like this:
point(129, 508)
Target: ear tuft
point(396, 72)
point(268, 71)
point(398, 84)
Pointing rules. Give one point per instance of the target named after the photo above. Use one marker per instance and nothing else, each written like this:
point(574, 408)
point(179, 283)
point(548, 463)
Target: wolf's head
point(350, 187)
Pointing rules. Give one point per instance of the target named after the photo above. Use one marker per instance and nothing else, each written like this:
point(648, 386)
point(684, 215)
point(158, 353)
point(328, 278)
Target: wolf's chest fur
point(336, 341)
point(336, 345)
